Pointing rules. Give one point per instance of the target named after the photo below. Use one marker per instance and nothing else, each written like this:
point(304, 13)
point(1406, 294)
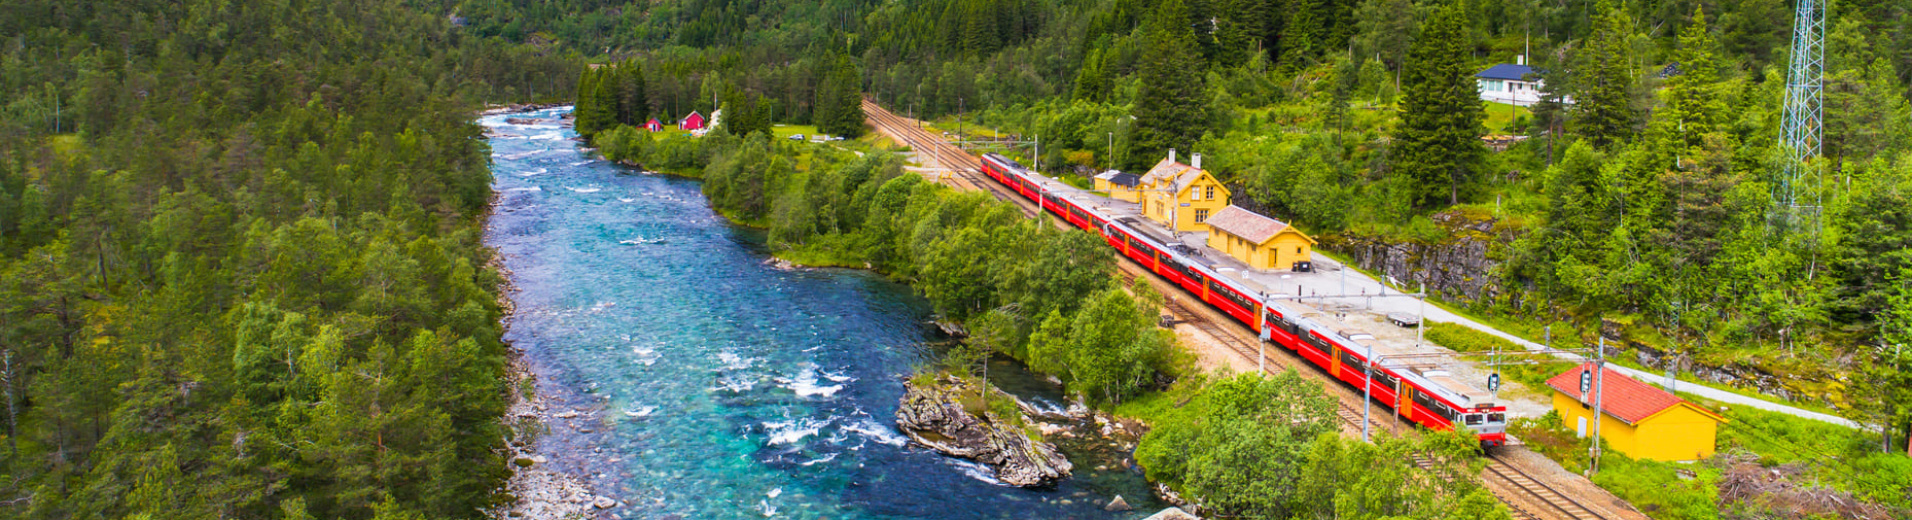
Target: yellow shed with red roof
point(1638, 419)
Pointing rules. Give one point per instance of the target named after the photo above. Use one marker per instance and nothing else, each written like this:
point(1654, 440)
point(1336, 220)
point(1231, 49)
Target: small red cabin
point(694, 121)
point(653, 125)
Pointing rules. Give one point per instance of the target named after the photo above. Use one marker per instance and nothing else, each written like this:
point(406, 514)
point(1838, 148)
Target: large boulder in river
point(934, 416)
point(1173, 513)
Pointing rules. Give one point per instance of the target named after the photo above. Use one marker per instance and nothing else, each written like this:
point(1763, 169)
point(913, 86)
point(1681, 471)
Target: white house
point(1514, 84)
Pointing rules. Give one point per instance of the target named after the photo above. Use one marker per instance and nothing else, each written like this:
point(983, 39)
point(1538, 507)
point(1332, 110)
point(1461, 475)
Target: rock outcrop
point(935, 417)
point(1463, 266)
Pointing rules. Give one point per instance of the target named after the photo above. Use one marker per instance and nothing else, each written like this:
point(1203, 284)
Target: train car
point(1420, 394)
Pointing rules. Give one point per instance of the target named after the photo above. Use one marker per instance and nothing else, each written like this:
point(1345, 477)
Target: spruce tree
point(1693, 109)
point(1603, 102)
point(839, 105)
point(633, 105)
point(1439, 134)
point(594, 110)
point(1171, 99)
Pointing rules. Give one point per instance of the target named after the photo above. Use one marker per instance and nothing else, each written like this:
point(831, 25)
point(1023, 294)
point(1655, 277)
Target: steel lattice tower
point(1804, 103)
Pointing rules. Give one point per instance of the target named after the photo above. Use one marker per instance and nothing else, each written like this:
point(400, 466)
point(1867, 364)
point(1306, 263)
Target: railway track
point(965, 173)
point(1553, 499)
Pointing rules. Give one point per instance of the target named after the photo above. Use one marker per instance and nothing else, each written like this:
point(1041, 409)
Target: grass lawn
point(785, 131)
point(1501, 116)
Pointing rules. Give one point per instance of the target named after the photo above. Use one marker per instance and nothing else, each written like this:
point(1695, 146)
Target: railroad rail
point(966, 174)
point(1541, 492)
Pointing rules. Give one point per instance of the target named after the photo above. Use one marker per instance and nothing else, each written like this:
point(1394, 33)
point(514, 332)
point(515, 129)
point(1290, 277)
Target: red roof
point(1625, 399)
point(1248, 225)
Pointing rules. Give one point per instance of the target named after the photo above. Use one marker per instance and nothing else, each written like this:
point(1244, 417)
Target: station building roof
point(1248, 225)
point(1120, 178)
point(1626, 399)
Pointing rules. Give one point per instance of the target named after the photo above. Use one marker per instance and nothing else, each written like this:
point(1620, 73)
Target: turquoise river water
point(715, 385)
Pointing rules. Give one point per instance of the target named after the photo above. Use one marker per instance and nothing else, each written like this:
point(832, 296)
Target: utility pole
point(1420, 319)
point(1038, 160)
point(1599, 391)
point(6, 376)
point(1367, 391)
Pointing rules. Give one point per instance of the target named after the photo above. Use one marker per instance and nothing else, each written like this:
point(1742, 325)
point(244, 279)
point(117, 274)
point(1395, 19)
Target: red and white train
point(1427, 397)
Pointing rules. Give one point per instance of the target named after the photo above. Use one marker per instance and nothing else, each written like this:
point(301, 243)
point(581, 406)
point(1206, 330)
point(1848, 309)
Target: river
point(714, 385)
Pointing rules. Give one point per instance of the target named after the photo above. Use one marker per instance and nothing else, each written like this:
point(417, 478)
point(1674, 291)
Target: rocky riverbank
point(540, 493)
point(935, 416)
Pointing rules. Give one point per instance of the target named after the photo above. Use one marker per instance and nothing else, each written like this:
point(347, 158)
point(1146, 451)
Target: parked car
point(796, 137)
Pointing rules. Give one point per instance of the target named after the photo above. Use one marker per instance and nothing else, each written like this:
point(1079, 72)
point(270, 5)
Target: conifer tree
point(595, 109)
point(839, 104)
point(1171, 100)
point(632, 101)
point(1693, 112)
point(1439, 135)
point(1090, 82)
point(1603, 104)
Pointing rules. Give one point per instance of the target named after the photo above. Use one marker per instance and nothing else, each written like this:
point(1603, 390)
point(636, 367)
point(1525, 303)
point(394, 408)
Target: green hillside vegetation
point(241, 261)
point(1649, 206)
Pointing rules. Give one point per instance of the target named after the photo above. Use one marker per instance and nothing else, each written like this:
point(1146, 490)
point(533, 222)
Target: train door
point(1405, 401)
point(1334, 360)
point(1261, 322)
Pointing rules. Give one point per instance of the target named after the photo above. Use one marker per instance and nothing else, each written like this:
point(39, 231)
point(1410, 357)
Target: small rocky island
point(935, 415)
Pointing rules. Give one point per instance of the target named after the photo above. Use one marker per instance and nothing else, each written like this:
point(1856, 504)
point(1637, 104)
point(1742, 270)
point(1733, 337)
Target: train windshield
point(1474, 419)
point(1497, 417)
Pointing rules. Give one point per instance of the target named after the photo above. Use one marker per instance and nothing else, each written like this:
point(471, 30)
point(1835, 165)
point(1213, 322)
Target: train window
point(1473, 419)
point(1308, 340)
point(1386, 378)
point(1349, 359)
point(1496, 418)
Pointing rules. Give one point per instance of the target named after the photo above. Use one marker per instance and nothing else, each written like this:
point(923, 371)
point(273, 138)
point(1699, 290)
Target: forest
point(241, 260)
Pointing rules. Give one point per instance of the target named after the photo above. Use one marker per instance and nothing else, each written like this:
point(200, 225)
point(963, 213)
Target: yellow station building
point(1181, 196)
point(1261, 242)
point(1637, 419)
point(1119, 186)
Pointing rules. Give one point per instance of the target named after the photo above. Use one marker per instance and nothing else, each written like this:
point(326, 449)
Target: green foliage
point(1171, 109)
point(1266, 447)
point(1440, 111)
point(1110, 350)
point(1659, 489)
point(247, 280)
point(839, 108)
point(1603, 100)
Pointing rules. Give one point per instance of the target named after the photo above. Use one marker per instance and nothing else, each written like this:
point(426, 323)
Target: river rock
point(934, 417)
point(1117, 505)
point(604, 503)
point(1173, 513)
